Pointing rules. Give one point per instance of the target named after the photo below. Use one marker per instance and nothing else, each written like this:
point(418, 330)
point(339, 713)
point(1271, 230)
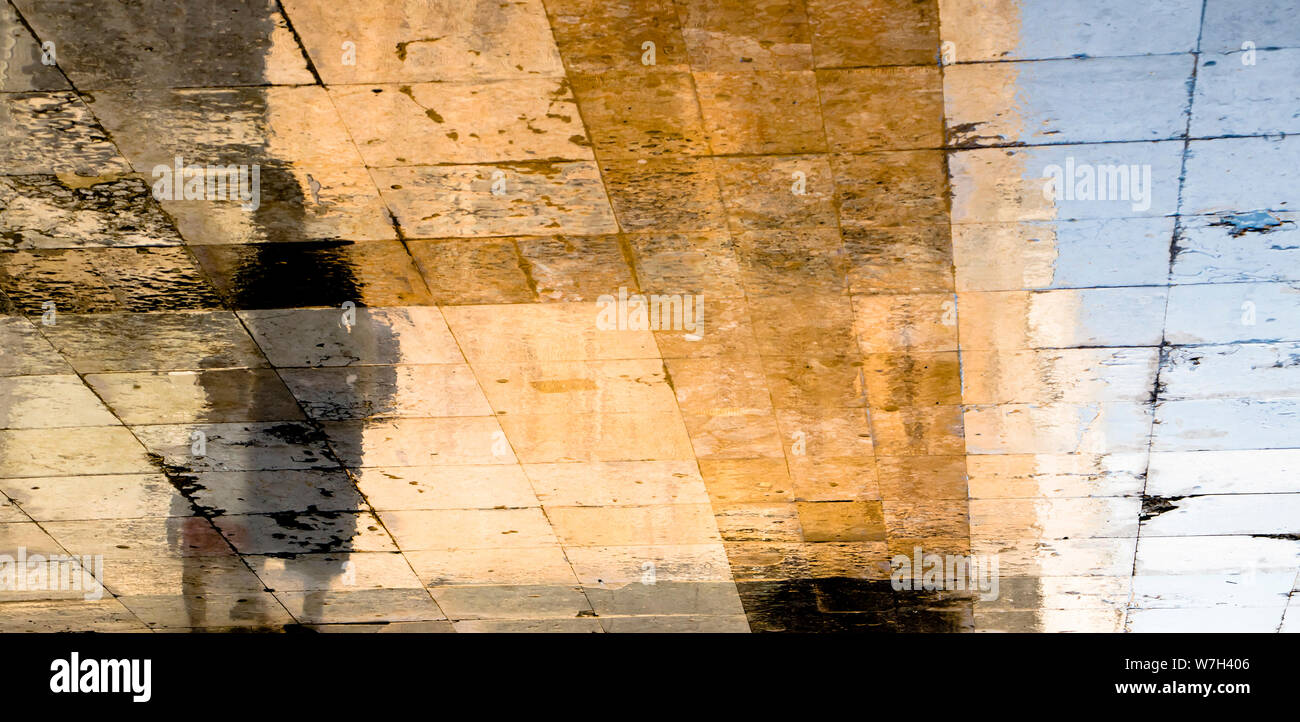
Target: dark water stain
point(850, 606)
point(313, 531)
point(1154, 506)
point(402, 46)
point(296, 434)
point(964, 135)
point(186, 484)
point(1250, 222)
point(284, 275)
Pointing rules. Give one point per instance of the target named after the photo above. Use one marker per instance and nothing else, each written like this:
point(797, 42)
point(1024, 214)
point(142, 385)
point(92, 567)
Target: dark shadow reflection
point(314, 544)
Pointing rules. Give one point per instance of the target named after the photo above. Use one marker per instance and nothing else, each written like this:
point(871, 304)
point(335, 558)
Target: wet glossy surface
point(396, 395)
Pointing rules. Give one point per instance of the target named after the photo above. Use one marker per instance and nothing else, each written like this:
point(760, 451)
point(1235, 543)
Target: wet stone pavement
point(650, 315)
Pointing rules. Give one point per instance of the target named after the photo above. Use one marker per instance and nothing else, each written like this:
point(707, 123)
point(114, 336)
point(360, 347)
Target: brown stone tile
point(751, 560)
point(632, 114)
point(597, 36)
point(53, 401)
point(703, 263)
point(444, 441)
point(518, 565)
point(918, 431)
point(298, 203)
point(793, 263)
point(99, 343)
point(927, 518)
point(761, 481)
point(907, 545)
point(1075, 375)
point(526, 333)
point(313, 338)
point(896, 380)
point(665, 194)
point(466, 201)
point(746, 35)
point(760, 560)
point(922, 477)
point(856, 560)
point(1009, 476)
point(24, 69)
point(834, 478)
point(59, 135)
point(815, 324)
point(777, 191)
point(851, 33)
point(920, 322)
point(619, 483)
point(543, 438)
point(448, 529)
point(761, 113)
point(892, 188)
point(285, 125)
point(733, 434)
point(882, 108)
point(525, 119)
point(426, 41)
point(393, 488)
point(909, 259)
point(633, 525)
point(387, 392)
point(572, 387)
point(807, 382)
point(825, 431)
point(786, 246)
point(466, 271)
point(173, 397)
point(719, 385)
point(576, 268)
point(116, 210)
point(758, 522)
point(841, 521)
point(727, 332)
